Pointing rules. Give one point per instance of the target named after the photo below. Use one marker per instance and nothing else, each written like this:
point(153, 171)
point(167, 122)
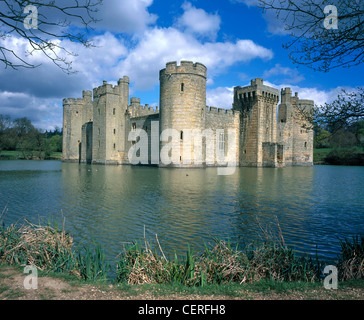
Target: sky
point(234, 39)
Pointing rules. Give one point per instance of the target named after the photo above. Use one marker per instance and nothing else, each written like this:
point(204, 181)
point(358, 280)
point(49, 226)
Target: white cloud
point(221, 97)
point(289, 74)
point(125, 16)
point(99, 62)
point(45, 113)
point(37, 93)
point(160, 45)
point(47, 80)
point(199, 22)
point(319, 96)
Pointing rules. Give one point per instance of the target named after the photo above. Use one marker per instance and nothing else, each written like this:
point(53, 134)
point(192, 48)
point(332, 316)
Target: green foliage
point(345, 156)
point(343, 146)
point(56, 143)
point(322, 139)
point(30, 142)
point(343, 138)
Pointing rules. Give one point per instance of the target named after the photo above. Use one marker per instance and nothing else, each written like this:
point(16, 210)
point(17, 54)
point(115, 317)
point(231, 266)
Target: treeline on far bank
point(19, 139)
point(344, 146)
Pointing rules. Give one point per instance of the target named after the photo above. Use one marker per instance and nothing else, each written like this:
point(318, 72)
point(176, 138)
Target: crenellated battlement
point(220, 112)
point(185, 67)
point(287, 97)
point(107, 88)
point(135, 109)
point(79, 101)
point(256, 90)
point(124, 80)
point(134, 101)
point(256, 82)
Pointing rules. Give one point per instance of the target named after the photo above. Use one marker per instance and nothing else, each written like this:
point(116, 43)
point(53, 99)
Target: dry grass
point(219, 263)
point(48, 248)
point(351, 262)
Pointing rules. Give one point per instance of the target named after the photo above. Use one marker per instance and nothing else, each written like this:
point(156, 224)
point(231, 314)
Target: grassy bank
point(18, 155)
point(58, 286)
point(319, 155)
point(353, 156)
point(52, 250)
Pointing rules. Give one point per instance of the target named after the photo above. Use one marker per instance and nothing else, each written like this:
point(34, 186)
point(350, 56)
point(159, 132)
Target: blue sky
point(233, 38)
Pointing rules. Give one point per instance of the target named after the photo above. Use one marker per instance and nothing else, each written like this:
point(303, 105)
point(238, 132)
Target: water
point(115, 205)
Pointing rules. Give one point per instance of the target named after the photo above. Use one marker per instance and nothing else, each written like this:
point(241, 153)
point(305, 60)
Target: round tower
point(182, 101)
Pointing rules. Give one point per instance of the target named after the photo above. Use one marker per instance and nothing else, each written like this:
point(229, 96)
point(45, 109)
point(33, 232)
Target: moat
point(115, 205)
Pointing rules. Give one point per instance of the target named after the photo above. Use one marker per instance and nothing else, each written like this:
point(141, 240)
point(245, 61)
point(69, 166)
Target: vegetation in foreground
point(51, 249)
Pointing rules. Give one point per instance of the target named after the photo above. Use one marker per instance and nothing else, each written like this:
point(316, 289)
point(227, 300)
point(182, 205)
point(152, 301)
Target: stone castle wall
point(97, 127)
point(220, 121)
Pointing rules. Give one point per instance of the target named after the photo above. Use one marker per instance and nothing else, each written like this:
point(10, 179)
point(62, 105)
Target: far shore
point(322, 156)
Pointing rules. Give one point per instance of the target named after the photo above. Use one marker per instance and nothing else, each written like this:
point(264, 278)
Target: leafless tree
point(44, 24)
point(320, 41)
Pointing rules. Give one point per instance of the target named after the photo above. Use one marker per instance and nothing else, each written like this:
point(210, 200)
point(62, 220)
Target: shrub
point(345, 156)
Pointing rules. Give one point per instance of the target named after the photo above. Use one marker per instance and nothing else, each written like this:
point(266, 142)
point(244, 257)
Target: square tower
point(257, 104)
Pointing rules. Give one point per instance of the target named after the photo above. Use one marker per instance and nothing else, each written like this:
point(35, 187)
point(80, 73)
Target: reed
point(51, 249)
point(219, 263)
point(351, 258)
point(92, 264)
point(46, 247)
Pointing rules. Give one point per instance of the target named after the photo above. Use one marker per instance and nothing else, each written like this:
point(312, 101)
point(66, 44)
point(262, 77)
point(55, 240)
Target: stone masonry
point(102, 127)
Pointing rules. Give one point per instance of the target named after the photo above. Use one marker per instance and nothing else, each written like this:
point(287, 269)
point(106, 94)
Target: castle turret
point(182, 101)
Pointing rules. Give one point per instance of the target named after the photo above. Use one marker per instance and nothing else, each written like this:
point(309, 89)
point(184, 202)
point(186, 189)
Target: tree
point(56, 143)
point(5, 125)
point(22, 126)
point(24, 134)
point(343, 139)
point(360, 132)
point(345, 111)
point(322, 138)
point(320, 41)
point(43, 23)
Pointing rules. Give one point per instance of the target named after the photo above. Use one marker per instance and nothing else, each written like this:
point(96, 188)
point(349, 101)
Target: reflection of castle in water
point(96, 127)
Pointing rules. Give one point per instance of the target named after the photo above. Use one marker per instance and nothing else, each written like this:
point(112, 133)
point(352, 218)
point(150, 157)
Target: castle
point(103, 127)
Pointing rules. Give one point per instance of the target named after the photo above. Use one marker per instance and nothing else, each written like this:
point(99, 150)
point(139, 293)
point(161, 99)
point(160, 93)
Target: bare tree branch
point(70, 20)
point(347, 109)
point(315, 46)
